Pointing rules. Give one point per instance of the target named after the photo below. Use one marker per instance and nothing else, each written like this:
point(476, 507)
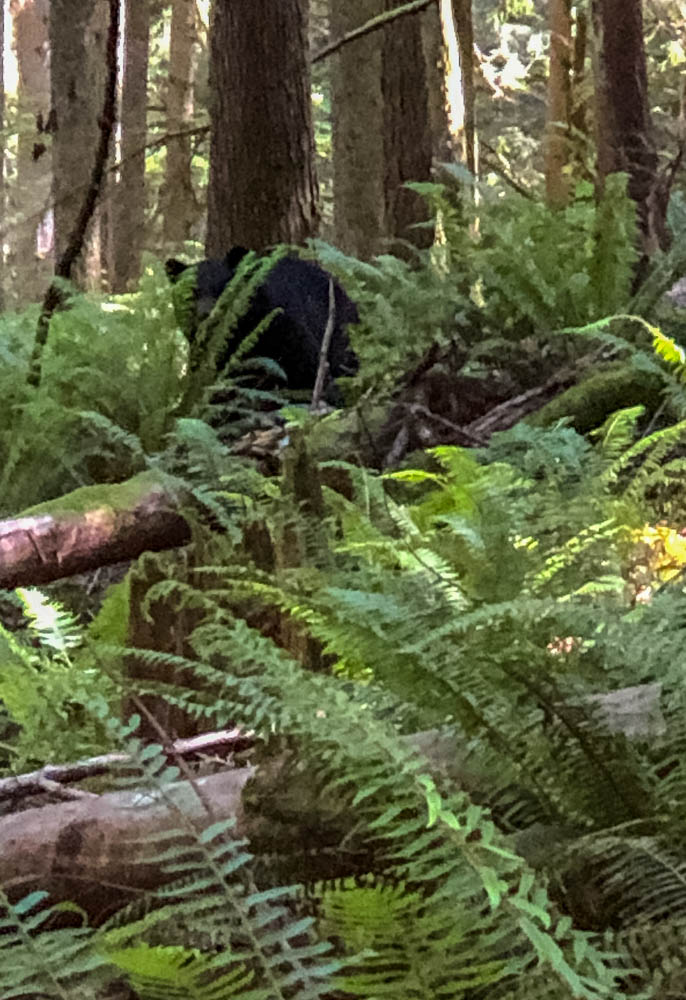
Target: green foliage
point(572, 267)
point(443, 595)
point(112, 380)
point(259, 949)
point(411, 947)
point(49, 687)
point(481, 598)
point(404, 309)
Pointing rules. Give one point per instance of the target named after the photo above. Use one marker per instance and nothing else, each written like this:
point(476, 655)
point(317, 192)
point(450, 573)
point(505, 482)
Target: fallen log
point(93, 526)
point(93, 849)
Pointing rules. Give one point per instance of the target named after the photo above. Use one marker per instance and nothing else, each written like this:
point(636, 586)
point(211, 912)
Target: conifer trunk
point(178, 199)
point(263, 187)
point(559, 103)
point(77, 44)
point(31, 190)
point(407, 135)
point(129, 193)
point(624, 131)
point(357, 128)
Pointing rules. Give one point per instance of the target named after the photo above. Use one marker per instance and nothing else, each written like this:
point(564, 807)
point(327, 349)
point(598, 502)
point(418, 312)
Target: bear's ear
point(234, 257)
point(175, 269)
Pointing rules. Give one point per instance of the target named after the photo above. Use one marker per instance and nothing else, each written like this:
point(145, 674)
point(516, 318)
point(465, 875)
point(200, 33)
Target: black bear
point(293, 339)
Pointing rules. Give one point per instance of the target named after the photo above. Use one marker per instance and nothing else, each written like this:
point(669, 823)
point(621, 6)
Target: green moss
point(590, 403)
point(116, 496)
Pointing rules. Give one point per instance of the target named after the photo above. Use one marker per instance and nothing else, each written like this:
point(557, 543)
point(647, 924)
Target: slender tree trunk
point(358, 165)
point(96, 252)
point(439, 80)
point(407, 136)
point(129, 194)
point(449, 46)
point(557, 149)
point(3, 219)
point(578, 113)
point(463, 26)
point(179, 206)
point(262, 187)
point(624, 130)
point(31, 191)
point(77, 43)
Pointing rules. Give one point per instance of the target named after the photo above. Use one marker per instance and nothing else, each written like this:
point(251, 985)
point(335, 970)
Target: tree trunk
point(407, 136)
point(578, 111)
point(3, 200)
point(358, 166)
point(178, 200)
point(128, 196)
point(77, 43)
point(31, 192)
point(624, 131)
point(462, 25)
point(439, 76)
point(559, 103)
point(262, 187)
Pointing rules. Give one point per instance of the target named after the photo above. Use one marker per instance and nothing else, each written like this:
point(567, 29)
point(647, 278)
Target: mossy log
point(589, 403)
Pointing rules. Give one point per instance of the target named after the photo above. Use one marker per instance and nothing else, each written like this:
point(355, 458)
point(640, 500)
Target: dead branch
point(373, 24)
point(53, 777)
point(323, 367)
point(507, 414)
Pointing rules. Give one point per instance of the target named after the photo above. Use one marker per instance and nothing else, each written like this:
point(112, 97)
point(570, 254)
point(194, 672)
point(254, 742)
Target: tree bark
point(31, 192)
point(77, 44)
point(76, 244)
point(557, 148)
point(358, 165)
point(439, 79)
point(624, 131)
point(128, 194)
point(93, 849)
point(178, 199)
point(262, 187)
point(94, 526)
point(3, 195)
point(462, 24)
point(407, 136)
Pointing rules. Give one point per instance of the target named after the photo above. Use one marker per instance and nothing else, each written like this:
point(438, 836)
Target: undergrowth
point(467, 715)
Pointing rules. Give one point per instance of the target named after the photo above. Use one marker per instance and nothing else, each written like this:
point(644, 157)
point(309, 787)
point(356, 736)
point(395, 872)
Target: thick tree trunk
point(262, 188)
point(358, 165)
point(128, 195)
point(624, 130)
point(557, 147)
point(77, 43)
point(407, 136)
point(178, 199)
point(31, 192)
